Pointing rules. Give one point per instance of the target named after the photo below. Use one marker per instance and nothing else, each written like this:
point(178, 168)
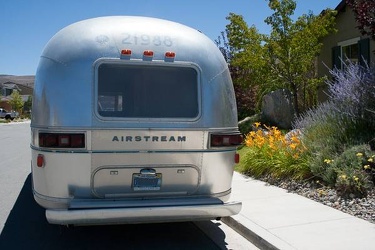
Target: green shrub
point(352, 183)
point(246, 125)
point(352, 178)
point(269, 153)
point(324, 135)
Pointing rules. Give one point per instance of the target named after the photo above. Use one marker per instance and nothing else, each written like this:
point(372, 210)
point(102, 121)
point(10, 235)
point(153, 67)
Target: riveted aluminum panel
point(65, 80)
point(117, 181)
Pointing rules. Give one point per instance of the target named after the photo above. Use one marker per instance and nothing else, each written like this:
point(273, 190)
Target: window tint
point(139, 91)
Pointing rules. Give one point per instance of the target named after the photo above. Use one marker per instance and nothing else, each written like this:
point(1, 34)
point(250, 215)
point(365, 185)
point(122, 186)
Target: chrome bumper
point(131, 215)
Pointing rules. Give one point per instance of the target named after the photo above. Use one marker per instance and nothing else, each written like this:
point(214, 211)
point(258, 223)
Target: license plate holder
point(147, 182)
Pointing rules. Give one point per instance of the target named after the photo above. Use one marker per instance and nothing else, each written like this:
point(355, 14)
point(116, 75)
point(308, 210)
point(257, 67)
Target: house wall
point(346, 26)
point(5, 105)
point(5, 93)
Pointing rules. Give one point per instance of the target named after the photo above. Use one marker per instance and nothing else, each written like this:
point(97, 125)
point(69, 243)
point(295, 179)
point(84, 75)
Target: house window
point(354, 50)
point(7, 92)
point(350, 53)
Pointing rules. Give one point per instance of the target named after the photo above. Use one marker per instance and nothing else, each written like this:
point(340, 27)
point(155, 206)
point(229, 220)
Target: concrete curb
point(248, 234)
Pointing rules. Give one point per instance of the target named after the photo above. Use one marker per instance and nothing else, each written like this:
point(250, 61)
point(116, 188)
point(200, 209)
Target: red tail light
point(40, 161)
point(237, 158)
point(225, 140)
point(55, 140)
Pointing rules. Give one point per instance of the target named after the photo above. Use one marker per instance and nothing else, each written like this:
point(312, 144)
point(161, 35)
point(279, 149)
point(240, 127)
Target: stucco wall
point(346, 29)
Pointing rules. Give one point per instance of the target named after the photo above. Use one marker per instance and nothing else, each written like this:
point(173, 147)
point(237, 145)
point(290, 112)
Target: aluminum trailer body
point(134, 120)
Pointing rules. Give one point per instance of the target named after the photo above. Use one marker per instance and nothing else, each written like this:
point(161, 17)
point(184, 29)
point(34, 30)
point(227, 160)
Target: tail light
point(40, 161)
point(56, 140)
point(225, 140)
point(237, 158)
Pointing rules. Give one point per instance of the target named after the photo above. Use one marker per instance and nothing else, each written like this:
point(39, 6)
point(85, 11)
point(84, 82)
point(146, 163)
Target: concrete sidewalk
point(272, 218)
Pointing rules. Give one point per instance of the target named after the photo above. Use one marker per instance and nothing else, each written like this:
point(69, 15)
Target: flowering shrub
point(269, 152)
point(353, 92)
point(273, 140)
point(352, 171)
point(333, 142)
point(352, 184)
point(324, 134)
point(332, 131)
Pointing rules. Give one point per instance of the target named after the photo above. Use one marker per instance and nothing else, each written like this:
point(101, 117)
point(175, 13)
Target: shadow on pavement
point(27, 228)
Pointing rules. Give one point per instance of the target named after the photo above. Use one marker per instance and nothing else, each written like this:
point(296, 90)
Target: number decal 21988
point(143, 39)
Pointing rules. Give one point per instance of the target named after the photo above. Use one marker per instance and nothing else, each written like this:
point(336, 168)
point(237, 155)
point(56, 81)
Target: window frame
point(191, 65)
point(346, 43)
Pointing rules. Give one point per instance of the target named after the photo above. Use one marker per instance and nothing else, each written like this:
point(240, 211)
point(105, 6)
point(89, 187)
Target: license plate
point(145, 182)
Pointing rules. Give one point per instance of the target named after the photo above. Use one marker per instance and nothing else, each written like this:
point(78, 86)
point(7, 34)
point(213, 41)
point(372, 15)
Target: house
point(346, 44)
point(9, 84)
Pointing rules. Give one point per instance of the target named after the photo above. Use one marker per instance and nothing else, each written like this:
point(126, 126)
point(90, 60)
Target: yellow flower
point(257, 124)
point(328, 161)
point(296, 156)
point(355, 178)
point(295, 139)
point(343, 177)
point(322, 192)
point(359, 154)
point(366, 167)
point(272, 146)
point(370, 160)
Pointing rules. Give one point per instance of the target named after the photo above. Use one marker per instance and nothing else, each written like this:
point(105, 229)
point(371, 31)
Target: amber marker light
point(170, 54)
point(148, 53)
point(126, 52)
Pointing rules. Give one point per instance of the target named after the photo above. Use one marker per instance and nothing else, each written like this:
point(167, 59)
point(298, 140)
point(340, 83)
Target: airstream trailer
point(134, 120)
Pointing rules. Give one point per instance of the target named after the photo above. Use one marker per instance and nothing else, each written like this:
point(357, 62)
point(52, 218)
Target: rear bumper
point(129, 215)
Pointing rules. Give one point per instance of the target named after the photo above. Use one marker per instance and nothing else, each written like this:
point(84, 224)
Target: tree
point(293, 46)
point(285, 58)
point(364, 11)
point(16, 101)
point(28, 104)
point(246, 49)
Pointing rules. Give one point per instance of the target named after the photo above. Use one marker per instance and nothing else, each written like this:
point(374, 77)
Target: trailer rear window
point(144, 91)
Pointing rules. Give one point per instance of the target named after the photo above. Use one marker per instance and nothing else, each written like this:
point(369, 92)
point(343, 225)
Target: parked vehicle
point(8, 115)
point(134, 120)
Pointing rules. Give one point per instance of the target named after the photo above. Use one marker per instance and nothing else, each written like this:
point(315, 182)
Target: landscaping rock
point(363, 208)
point(278, 109)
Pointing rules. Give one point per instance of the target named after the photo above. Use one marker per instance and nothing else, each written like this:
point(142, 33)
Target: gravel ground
point(363, 208)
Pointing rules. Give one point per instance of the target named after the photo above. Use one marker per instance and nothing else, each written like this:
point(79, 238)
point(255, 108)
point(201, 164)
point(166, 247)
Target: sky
point(27, 25)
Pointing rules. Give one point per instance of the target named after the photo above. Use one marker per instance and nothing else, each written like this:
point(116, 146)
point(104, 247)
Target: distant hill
point(23, 80)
